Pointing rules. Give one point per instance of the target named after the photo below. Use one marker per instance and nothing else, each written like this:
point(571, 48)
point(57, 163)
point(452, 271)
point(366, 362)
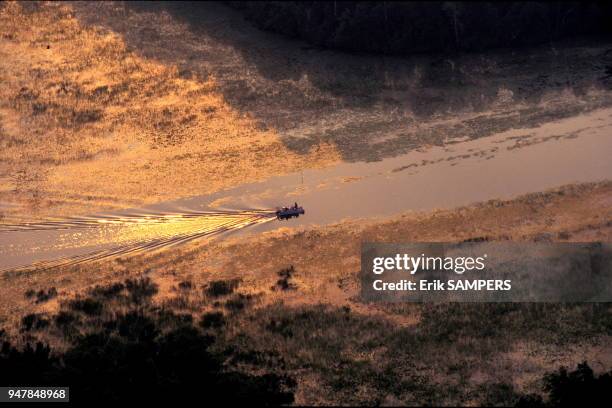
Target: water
point(504, 165)
point(69, 242)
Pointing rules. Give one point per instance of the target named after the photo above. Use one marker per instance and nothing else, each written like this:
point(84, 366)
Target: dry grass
point(113, 105)
point(366, 106)
point(86, 124)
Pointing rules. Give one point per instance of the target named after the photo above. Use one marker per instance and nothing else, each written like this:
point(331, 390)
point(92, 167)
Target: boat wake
point(47, 244)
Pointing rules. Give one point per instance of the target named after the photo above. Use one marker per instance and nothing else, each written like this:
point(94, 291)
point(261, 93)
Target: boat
point(286, 213)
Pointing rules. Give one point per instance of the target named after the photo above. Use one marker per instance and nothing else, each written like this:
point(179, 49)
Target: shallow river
point(502, 166)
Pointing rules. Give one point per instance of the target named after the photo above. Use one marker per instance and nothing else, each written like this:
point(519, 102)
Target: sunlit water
point(52, 243)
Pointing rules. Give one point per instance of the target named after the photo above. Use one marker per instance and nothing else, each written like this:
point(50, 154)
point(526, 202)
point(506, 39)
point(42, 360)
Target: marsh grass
point(347, 356)
point(78, 108)
point(367, 360)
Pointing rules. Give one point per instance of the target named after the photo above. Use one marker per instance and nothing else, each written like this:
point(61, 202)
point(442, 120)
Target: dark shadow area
point(427, 364)
point(580, 387)
point(408, 27)
point(120, 347)
point(352, 101)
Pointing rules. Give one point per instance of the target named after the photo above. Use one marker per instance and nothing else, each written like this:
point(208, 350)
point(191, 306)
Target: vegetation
point(120, 347)
point(284, 279)
point(221, 287)
point(64, 134)
point(115, 342)
point(580, 387)
point(115, 98)
point(407, 27)
point(395, 365)
point(42, 295)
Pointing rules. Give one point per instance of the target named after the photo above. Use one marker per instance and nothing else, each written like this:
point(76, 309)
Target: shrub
point(109, 291)
point(90, 307)
point(569, 389)
point(185, 285)
point(30, 365)
point(140, 290)
point(64, 318)
point(212, 320)
point(221, 287)
point(33, 321)
point(43, 296)
point(283, 283)
point(579, 387)
point(238, 302)
point(144, 354)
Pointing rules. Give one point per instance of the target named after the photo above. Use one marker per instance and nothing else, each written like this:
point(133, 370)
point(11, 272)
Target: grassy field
point(319, 354)
point(87, 124)
point(112, 105)
point(368, 107)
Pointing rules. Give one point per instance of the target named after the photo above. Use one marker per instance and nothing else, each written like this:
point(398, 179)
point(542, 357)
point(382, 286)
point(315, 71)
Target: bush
point(285, 275)
point(140, 290)
point(212, 320)
point(33, 321)
point(30, 365)
point(570, 389)
point(221, 287)
point(42, 295)
point(64, 318)
point(185, 285)
point(238, 302)
point(109, 291)
point(90, 307)
point(579, 387)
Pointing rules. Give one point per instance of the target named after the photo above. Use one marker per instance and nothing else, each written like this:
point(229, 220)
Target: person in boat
point(295, 205)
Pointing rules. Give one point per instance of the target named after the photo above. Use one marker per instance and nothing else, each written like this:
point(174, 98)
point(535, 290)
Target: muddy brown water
point(501, 166)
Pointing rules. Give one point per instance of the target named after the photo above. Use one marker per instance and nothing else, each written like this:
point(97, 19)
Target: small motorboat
point(286, 213)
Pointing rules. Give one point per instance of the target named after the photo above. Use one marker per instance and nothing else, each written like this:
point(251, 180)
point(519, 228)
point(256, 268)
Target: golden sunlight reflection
point(53, 243)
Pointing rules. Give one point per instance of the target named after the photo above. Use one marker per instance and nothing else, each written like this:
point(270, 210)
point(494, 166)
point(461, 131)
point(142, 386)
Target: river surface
point(507, 164)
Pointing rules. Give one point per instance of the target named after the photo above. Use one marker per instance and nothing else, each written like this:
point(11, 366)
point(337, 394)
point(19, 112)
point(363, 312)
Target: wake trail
point(145, 232)
point(95, 222)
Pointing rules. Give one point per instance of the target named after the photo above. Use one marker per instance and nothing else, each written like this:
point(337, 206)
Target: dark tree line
point(412, 27)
